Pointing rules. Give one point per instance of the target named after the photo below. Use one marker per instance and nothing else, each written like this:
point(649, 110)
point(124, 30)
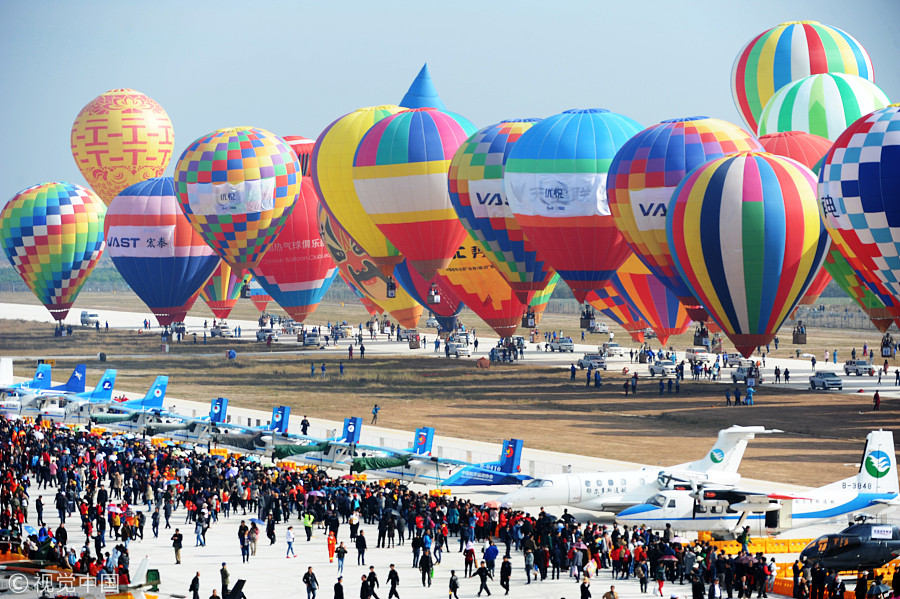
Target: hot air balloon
point(786, 53)
point(358, 268)
point(541, 299)
point(474, 280)
point(237, 187)
point(258, 295)
point(155, 249)
point(805, 148)
point(371, 307)
point(858, 190)
point(297, 269)
point(332, 172)
point(556, 187)
point(748, 241)
point(857, 288)
point(119, 138)
point(303, 148)
point(400, 175)
point(447, 306)
point(823, 105)
point(608, 301)
point(649, 297)
point(52, 234)
point(645, 172)
point(478, 195)
point(222, 290)
point(422, 93)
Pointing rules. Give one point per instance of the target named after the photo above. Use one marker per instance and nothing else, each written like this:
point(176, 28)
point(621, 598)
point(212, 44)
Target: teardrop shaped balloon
point(120, 138)
point(297, 269)
point(648, 296)
point(541, 299)
point(612, 305)
point(237, 187)
point(357, 267)
point(400, 175)
point(258, 295)
point(155, 249)
point(645, 172)
point(52, 234)
point(479, 198)
point(555, 182)
point(747, 238)
point(223, 289)
point(420, 289)
point(331, 167)
point(371, 307)
point(854, 286)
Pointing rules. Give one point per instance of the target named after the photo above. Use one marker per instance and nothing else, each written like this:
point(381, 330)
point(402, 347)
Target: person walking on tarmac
point(876, 402)
point(308, 520)
point(375, 411)
point(393, 579)
point(483, 574)
point(454, 585)
point(505, 574)
point(425, 566)
point(372, 579)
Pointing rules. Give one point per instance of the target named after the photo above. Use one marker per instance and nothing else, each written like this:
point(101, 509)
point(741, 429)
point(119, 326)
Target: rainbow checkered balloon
point(52, 234)
point(237, 187)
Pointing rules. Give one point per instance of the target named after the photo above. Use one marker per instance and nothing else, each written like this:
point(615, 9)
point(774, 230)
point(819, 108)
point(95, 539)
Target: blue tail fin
point(423, 440)
point(41, 378)
point(218, 409)
point(154, 398)
point(352, 429)
point(281, 416)
point(75, 384)
point(102, 393)
point(511, 455)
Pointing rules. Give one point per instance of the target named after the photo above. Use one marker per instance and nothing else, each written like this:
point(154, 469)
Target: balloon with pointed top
point(52, 234)
point(422, 93)
point(119, 138)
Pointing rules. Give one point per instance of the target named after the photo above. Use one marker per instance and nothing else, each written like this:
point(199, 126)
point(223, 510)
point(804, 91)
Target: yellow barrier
point(766, 546)
point(97, 430)
point(359, 477)
point(220, 451)
point(286, 465)
point(388, 481)
point(439, 492)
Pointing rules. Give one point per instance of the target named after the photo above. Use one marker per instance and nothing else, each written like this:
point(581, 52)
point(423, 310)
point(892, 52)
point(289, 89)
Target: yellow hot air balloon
point(120, 138)
point(331, 168)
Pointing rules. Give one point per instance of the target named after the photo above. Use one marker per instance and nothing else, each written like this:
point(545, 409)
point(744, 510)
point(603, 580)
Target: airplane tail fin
point(75, 384)
point(218, 409)
point(728, 450)
point(102, 393)
point(6, 372)
point(511, 456)
point(281, 415)
point(878, 470)
point(423, 440)
point(139, 578)
point(352, 429)
point(41, 378)
point(154, 398)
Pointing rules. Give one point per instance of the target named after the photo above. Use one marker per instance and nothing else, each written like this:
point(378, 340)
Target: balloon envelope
point(258, 295)
point(541, 299)
point(303, 148)
point(649, 297)
point(786, 53)
point(400, 174)
point(856, 287)
point(119, 138)
point(415, 285)
point(237, 187)
point(747, 238)
point(479, 198)
point(612, 305)
point(155, 249)
point(222, 290)
point(52, 234)
point(805, 148)
point(556, 187)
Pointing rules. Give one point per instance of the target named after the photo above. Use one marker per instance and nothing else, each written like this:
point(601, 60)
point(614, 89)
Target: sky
point(294, 66)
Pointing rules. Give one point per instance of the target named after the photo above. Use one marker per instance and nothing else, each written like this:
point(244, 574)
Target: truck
point(697, 354)
point(825, 380)
point(563, 344)
point(859, 368)
point(89, 319)
point(612, 350)
point(594, 361)
point(457, 349)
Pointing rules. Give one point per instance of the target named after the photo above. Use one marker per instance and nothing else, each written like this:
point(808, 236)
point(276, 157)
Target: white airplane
point(31, 405)
point(24, 394)
point(874, 488)
point(81, 407)
point(615, 490)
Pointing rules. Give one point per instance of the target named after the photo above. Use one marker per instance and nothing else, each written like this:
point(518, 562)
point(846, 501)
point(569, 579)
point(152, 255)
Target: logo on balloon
point(828, 205)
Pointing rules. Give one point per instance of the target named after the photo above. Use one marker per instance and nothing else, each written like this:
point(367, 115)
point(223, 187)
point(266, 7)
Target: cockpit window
point(546, 483)
point(658, 500)
point(538, 483)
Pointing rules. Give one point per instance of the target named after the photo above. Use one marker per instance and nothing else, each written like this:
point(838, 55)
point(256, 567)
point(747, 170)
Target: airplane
point(41, 379)
point(39, 575)
point(162, 422)
point(32, 404)
point(874, 488)
point(860, 546)
point(253, 438)
point(83, 406)
point(613, 491)
point(24, 396)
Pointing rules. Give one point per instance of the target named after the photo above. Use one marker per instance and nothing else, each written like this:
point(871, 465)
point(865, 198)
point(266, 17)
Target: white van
point(697, 354)
point(89, 319)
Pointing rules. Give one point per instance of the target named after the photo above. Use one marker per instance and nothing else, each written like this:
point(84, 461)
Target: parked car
point(220, 330)
point(698, 354)
point(599, 327)
point(312, 340)
point(742, 373)
point(825, 380)
point(405, 334)
point(663, 367)
point(858, 367)
point(89, 319)
point(432, 323)
point(457, 349)
point(612, 350)
point(263, 334)
point(731, 360)
point(563, 344)
point(593, 360)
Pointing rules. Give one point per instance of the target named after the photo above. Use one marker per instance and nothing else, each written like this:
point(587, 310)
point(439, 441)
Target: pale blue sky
point(293, 66)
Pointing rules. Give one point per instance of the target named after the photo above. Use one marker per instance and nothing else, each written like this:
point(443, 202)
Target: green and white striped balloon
point(823, 104)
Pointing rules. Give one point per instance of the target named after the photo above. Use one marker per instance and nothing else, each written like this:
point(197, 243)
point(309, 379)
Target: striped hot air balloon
point(823, 105)
point(612, 305)
point(52, 234)
point(155, 249)
point(649, 297)
point(400, 175)
point(541, 299)
point(856, 287)
point(645, 172)
point(223, 289)
point(786, 53)
point(747, 238)
point(555, 183)
point(258, 295)
point(478, 195)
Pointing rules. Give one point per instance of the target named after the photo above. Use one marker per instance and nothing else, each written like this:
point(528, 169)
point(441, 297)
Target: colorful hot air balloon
point(805, 148)
point(371, 307)
point(445, 310)
point(541, 299)
point(821, 104)
point(645, 172)
point(332, 173)
point(52, 234)
point(786, 53)
point(612, 305)
point(303, 148)
point(258, 295)
point(747, 238)
point(422, 93)
point(297, 269)
point(556, 187)
point(400, 174)
point(479, 198)
point(649, 297)
point(474, 280)
point(857, 288)
point(119, 138)
point(222, 290)
point(359, 269)
point(155, 249)
point(237, 187)
point(858, 191)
